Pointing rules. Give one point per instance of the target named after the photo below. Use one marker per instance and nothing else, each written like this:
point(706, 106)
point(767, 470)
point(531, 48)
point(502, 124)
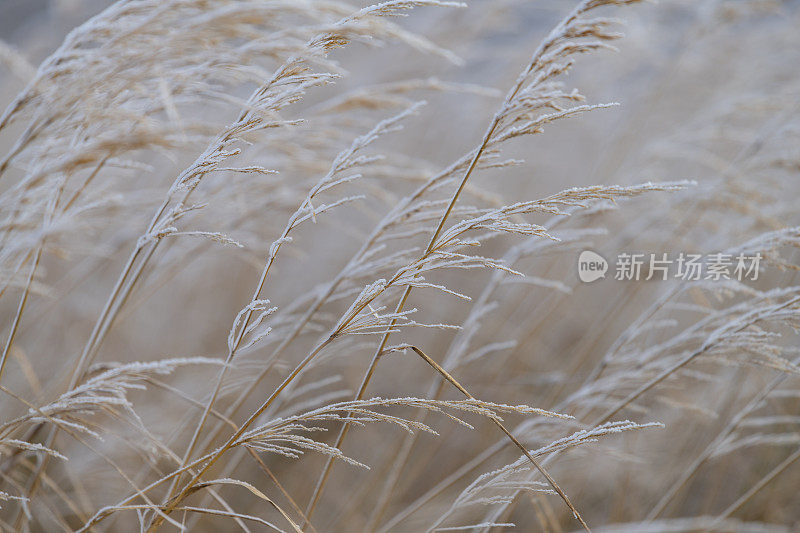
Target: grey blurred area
point(15, 14)
point(22, 22)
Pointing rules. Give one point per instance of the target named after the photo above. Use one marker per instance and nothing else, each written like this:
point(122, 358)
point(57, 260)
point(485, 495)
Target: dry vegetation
point(312, 266)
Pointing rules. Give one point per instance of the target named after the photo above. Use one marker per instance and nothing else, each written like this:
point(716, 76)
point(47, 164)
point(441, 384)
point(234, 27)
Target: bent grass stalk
point(341, 276)
point(605, 417)
point(435, 391)
point(321, 300)
point(214, 457)
point(443, 220)
point(511, 437)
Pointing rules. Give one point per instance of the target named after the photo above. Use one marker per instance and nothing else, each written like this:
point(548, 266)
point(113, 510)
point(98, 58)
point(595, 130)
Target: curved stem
point(442, 221)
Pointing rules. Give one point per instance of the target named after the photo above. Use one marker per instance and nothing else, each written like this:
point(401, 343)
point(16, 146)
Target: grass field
point(408, 266)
